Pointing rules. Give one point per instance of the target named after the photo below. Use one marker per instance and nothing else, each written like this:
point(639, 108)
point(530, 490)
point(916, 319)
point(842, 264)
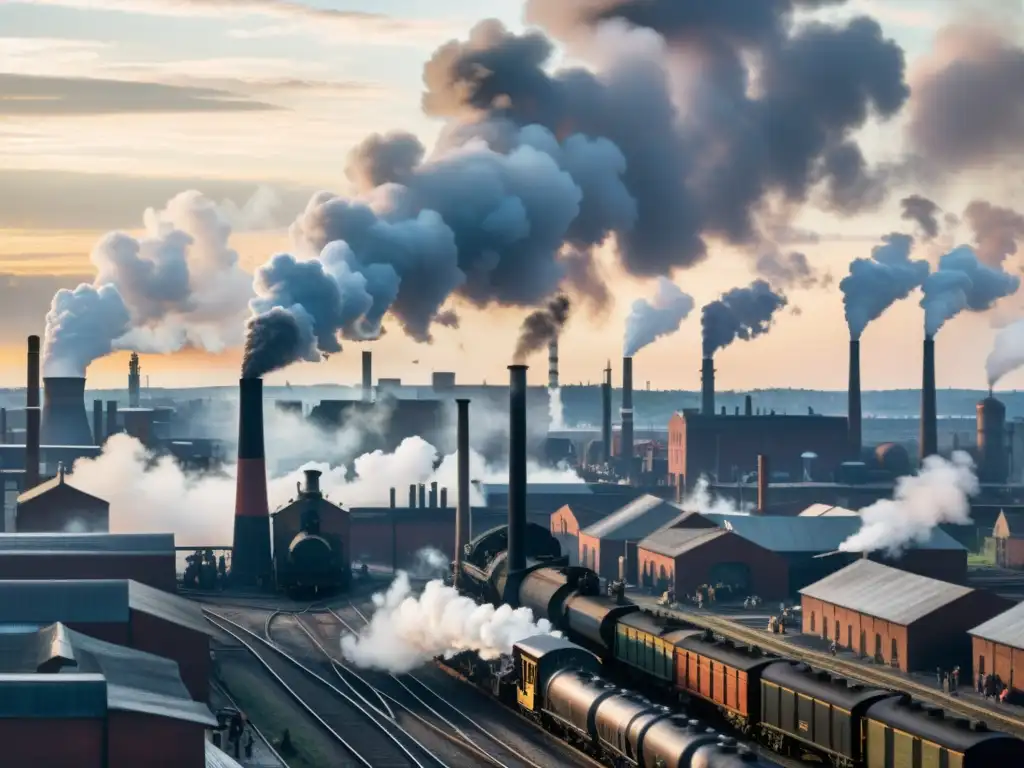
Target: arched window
point(812, 621)
point(895, 655)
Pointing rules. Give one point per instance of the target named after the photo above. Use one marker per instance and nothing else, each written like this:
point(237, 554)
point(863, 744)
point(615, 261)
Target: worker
point(248, 744)
point(956, 677)
point(235, 733)
point(832, 648)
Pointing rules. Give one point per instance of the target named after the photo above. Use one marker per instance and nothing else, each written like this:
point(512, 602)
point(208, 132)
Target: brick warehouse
point(998, 647)
point(898, 618)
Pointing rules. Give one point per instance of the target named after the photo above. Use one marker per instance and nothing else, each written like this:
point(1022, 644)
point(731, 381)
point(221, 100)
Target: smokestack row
point(707, 387)
point(250, 557)
point(853, 402)
point(517, 469)
point(32, 416)
point(627, 414)
point(606, 414)
point(929, 440)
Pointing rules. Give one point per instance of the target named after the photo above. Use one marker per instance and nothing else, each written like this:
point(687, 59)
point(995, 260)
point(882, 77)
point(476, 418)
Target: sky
point(109, 107)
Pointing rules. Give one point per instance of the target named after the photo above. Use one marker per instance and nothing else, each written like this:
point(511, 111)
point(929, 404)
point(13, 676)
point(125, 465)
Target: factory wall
point(154, 570)
point(602, 556)
point(63, 508)
point(865, 635)
point(55, 743)
point(189, 648)
point(1004, 661)
point(135, 739)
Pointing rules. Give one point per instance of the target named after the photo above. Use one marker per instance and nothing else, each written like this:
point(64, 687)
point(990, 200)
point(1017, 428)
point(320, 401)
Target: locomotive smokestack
point(64, 419)
point(462, 511)
point(707, 387)
point(627, 414)
point(367, 375)
point(763, 473)
point(517, 469)
point(853, 401)
point(929, 440)
point(33, 415)
point(250, 557)
point(97, 422)
point(606, 414)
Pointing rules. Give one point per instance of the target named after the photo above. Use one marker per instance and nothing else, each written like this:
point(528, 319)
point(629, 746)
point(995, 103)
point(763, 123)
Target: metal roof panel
point(673, 542)
point(637, 520)
point(114, 543)
point(1006, 629)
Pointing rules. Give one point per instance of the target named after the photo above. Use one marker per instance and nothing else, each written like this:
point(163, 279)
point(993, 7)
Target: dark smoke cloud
point(875, 284)
point(790, 270)
point(541, 327)
point(923, 212)
point(585, 281)
point(962, 282)
point(449, 318)
point(996, 231)
point(383, 159)
point(277, 338)
point(966, 108)
point(741, 313)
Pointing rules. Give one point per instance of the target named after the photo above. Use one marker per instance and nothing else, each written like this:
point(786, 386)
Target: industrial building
point(147, 558)
point(567, 522)
point(603, 544)
point(998, 647)
point(894, 617)
point(57, 506)
point(1008, 539)
point(109, 707)
point(122, 612)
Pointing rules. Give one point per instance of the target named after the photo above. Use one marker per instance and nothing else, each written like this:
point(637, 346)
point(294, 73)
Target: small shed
point(895, 617)
point(998, 647)
point(123, 612)
point(56, 506)
point(1008, 538)
point(617, 535)
point(567, 522)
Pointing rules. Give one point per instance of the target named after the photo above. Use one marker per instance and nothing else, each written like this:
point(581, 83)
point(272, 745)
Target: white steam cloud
point(661, 316)
point(556, 412)
point(407, 631)
point(430, 563)
point(939, 493)
point(1007, 353)
point(700, 500)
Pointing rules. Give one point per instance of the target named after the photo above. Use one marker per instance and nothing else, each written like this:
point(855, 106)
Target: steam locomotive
point(787, 705)
point(313, 563)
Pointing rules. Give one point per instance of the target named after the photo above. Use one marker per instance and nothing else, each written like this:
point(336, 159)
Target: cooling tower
point(707, 387)
point(517, 468)
point(250, 556)
point(929, 440)
point(462, 510)
point(853, 408)
point(626, 449)
point(367, 375)
point(33, 415)
point(64, 418)
point(606, 414)
point(993, 466)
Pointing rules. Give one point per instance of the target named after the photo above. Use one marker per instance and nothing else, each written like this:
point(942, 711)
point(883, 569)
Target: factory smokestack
point(97, 422)
point(853, 409)
point(606, 414)
point(992, 459)
point(412, 495)
point(462, 510)
point(707, 387)
point(517, 469)
point(553, 364)
point(64, 419)
point(134, 381)
point(929, 440)
point(250, 556)
point(763, 474)
point(748, 406)
point(626, 449)
point(111, 417)
point(33, 415)
point(367, 375)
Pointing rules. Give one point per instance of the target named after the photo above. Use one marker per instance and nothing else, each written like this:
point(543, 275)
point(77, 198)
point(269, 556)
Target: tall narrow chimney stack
point(367, 375)
point(763, 476)
point(250, 558)
point(748, 405)
point(462, 510)
point(606, 414)
point(626, 448)
point(553, 364)
point(853, 402)
point(707, 387)
point(929, 440)
point(517, 469)
point(412, 495)
point(97, 422)
point(111, 417)
point(33, 416)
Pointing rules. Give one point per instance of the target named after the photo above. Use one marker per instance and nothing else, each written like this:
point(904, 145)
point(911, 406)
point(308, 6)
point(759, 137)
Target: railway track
point(733, 630)
point(370, 739)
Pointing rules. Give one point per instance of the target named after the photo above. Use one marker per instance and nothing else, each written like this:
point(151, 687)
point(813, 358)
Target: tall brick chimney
point(250, 558)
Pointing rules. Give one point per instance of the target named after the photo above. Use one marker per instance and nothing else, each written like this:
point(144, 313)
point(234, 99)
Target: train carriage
point(591, 621)
point(540, 658)
point(722, 673)
point(647, 643)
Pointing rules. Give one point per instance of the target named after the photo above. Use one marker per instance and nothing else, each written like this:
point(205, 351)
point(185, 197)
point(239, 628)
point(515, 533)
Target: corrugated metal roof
point(65, 543)
point(216, 758)
point(52, 484)
point(827, 510)
point(637, 520)
point(93, 601)
point(1006, 629)
point(673, 542)
point(536, 489)
point(52, 696)
point(810, 535)
point(884, 592)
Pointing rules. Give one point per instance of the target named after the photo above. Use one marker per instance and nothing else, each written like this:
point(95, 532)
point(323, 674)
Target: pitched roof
point(1006, 629)
point(676, 541)
point(638, 519)
point(93, 601)
point(1014, 522)
point(810, 535)
point(52, 484)
point(87, 543)
point(827, 510)
point(884, 592)
point(135, 681)
point(585, 514)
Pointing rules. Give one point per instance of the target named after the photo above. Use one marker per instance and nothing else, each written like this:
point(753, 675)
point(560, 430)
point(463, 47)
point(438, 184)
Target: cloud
point(26, 299)
point(22, 95)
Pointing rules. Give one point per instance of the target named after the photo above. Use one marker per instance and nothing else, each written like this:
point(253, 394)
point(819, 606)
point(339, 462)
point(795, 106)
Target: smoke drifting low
point(541, 327)
point(741, 313)
point(963, 282)
point(939, 493)
point(1007, 353)
point(875, 284)
point(406, 632)
point(701, 501)
point(661, 316)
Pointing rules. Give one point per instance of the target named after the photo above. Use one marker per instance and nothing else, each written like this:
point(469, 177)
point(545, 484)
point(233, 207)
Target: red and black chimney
point(462, 510)
point(929, 440)
point(33, 415)
point(250, 557)
point(517, 469)
point(626, 450)
point(853, 406)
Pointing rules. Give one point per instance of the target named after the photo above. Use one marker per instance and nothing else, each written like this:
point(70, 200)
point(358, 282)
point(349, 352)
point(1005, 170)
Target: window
point(895, 655)
point(836, 636)
point(849, 636)
point(981, 665)
point(878, 647)
point(812, 621)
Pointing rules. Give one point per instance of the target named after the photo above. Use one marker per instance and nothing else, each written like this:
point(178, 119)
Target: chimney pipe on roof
point(763, 475)
point(929, 440)
point(367, 375)
point(250, 558)
point(853, 402)
point(97, 422)
point(626, 448)
point(462, 510)
point(723, 411)
point(33, 415)
point(707, 387)
point(393, 498)
point(517, 469)
point(433, 494)
point(412, 495)
point(606, 414)
point(422, 496)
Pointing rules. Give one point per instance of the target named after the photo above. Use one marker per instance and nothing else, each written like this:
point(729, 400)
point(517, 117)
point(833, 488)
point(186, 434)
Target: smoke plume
point(556, 413)
point(540, 327)
point(923, 212)
point(996, 231)
point(1007, 353)
point(407, 631)
point(875, 284)
point(178, 285)
point(430, 563)
point(962, 282)
point(939, 493)
point(661, 316)
point(741, 313)
point(701, 501)
point(790, 269)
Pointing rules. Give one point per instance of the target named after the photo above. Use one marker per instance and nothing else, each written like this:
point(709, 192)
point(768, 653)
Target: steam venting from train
point(740, 313)
point(1007, 353)
point(962, 281)
point(180, 284)
point(407, 631)
point(939, 493)
point(541, 327)
point(875, 284)
point(650, 319)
